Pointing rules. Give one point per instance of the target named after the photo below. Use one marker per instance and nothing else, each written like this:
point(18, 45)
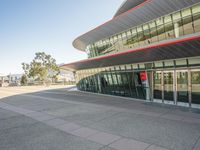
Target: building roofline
point(115, 18)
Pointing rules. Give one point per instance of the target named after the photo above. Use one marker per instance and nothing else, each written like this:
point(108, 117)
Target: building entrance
point(182, 84)
point(195, 88)
point(168, 78)
point(181, 87)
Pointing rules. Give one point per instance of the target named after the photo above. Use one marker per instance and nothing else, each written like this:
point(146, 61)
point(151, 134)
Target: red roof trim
point(115, 18)
point(140, 49)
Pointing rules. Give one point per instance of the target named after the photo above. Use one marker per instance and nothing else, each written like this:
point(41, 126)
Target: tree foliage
point(24, 80)
point(42, 67)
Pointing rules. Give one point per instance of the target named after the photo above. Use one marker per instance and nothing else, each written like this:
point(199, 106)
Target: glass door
point(195, 81)
point(182, 86)
point(168, 86)
point(139, 86)
point(157, 81)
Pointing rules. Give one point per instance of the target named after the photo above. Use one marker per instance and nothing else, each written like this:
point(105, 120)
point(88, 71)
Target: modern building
point(149, 50)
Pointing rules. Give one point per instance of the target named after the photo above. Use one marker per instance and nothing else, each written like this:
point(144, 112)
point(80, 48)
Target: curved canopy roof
point(144, 12)
point(187, 46)
point(127, 5)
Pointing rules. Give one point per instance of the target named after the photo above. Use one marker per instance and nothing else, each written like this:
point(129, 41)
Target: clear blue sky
point(29, 26)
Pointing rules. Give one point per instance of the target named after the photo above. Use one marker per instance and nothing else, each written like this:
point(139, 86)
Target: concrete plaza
point(37, 118)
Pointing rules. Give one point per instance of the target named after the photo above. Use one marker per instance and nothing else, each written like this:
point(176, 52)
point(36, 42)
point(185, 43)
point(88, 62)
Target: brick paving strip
point(113, 141)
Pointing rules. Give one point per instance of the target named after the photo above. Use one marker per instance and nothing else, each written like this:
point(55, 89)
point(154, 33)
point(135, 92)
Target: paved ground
point(63, 119)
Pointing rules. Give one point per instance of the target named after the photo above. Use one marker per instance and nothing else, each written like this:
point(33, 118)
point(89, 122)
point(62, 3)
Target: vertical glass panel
point(158, 64)
point(158, 85)
point(181, 63)
point(147, 35)
point(169, 27)
point(140, 89)
point(153, 32)
point(141, 66)
point(186, 12)
point(122, 67)
point(117, 68)
point(135, 66)
point(128, 67)
point(169, 63)
point(195, 77)
point(187, 21)
point(125, 84)
point(196, 18)
point(182, 86)
point(120, 88)
point(133, 40)
point(140, 36)
point(160, 29)
point(168, 86)
point(126, 41)
point(178, 29)
point(104, 83)
point(194, 61)
point(196, 9)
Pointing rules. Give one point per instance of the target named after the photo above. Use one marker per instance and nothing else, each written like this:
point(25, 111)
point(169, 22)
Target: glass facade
point(175, 25)
point(169, 81)
point(174, 81)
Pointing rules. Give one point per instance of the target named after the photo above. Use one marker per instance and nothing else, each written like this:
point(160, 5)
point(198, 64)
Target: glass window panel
point(186, 12)
point(133, 40)
point(147, 35)
point(159, 21)
point(140, 37)
point(188, 26)
point(128, 67)
point(167, 19)
point(128, 33)
point(133, 31)
point(158, 64)
point(181, 62)
point(115, 38)
point(122, 67)
point(135, 66)
point(169, 63)
point(146, 26)
point(117, 68)
point(196, 9)
point(178, 29)
point(142, 66)
point(194, 61)
point(119, 36)
point(161, 32)
point(195, 77)
point(153, 32)
point(196, 18)
point(124, 35)
point(139, 29)
point(176, 16)
point(169, 30)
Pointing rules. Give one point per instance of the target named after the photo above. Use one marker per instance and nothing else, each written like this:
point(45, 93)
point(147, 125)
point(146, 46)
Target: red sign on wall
point(143, 75)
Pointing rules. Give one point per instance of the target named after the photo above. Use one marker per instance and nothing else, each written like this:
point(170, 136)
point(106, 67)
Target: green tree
point(24, 80)
point(42, 67)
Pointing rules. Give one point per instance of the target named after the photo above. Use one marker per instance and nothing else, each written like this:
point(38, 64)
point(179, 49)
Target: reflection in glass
point(182, 86)
point(175, 25)
point(168, 86)
point(158, 85)
point(195, 77)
